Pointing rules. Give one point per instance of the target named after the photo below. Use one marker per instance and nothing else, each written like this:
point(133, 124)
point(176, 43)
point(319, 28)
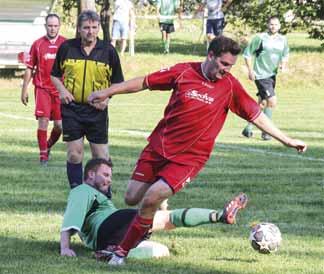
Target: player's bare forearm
point(65, 96)
point(265, 124)
point(65, 244)
point(248, 62)
point(130, 86)
point(24, 89)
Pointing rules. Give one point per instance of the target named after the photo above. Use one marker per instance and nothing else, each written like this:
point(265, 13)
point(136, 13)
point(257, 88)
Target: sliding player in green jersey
point(102, 226)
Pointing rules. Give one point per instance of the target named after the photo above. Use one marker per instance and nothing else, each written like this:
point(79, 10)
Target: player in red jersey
point(47, 102)
point(182, 142)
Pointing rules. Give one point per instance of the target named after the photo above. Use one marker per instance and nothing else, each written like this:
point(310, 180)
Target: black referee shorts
point(79, 120)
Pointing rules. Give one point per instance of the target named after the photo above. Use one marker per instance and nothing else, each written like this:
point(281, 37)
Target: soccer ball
point(265, 238)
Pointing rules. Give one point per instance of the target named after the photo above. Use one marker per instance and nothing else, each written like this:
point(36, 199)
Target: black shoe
point(247, 133)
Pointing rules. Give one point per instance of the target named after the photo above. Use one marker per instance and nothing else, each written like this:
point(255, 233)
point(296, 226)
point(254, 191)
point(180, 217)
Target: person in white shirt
point(123, 16)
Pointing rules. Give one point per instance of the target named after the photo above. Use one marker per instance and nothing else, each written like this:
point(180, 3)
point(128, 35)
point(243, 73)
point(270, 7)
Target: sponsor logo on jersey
point(194, 94)
point(49, 56)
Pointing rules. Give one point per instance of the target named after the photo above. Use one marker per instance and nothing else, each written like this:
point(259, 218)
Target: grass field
point(284, 188)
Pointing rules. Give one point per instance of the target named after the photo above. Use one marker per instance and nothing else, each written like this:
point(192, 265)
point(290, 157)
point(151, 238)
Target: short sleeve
point(57, 68)
point(32, 61)
point(79, 203)
point(117, 73)
point(242, 103)
point(252, 47)
point(164, 79)
point(285, 53)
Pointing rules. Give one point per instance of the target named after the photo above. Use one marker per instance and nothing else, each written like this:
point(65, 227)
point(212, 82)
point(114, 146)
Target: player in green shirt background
point(166, 11)
point(270, 51)
point(101, 225)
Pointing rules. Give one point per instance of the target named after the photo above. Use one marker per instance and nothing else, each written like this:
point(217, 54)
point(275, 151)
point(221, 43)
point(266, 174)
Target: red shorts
point(151, 166)
point(47, 105)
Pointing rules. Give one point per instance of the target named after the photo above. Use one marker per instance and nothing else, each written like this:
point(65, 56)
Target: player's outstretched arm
point(65, 244)
point(265, 124)
point(130, 86)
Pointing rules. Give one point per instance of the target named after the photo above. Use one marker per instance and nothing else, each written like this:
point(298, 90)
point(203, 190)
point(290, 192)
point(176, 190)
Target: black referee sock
point(74, 174)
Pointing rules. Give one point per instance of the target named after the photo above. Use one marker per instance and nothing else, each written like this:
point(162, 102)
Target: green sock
point(190, 217)
point(167, 45)
point(268, 112)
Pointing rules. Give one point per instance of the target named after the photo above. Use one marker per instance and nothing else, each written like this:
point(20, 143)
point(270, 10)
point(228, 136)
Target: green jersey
point(269, 51)
point(86, 209)
point(168, 9)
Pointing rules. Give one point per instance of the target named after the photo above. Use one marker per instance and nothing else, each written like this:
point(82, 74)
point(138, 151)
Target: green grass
point(284, 188)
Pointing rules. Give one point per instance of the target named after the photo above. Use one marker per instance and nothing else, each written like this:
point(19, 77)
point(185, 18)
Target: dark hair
point(87, 15)
point(52, 15)
point(222, 44)
point(94, 164)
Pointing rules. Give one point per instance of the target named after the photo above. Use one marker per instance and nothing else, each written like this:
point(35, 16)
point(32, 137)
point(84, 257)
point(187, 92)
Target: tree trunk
point(87, 5)
point(105, 20)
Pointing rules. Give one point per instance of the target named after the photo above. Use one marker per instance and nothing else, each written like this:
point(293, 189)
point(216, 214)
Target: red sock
point(55, 135)
point(42, 144)
point(135, 233)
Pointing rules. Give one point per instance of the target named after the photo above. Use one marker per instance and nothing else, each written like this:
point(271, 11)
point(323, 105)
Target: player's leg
point(57, 123)
point(73, 132)
point(248, 130)
point(42, 140)
point(143, 221)
point(74, 167)
point(168, 31)
point(218, 26)
point(43, 114)
point(124, 37)
point(210, 26)
point(191, 217)
point(115, 33)
point(96, 133)
point(163, 33)
point(269, 98)
point(172, 178)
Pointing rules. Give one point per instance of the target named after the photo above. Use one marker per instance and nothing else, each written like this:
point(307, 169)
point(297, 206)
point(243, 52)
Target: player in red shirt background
point(183, 140)
point(47, 102)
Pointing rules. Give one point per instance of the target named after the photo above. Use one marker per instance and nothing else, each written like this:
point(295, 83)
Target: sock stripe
point(183, 217)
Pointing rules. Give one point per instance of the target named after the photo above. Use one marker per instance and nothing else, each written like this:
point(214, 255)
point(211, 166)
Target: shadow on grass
point(177, 46)
point(273, 182)
point(306, 49)
point(35, 256)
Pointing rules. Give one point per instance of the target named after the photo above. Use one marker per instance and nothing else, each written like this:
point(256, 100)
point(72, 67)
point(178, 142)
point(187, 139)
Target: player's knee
point(58, 127)
point(74, 156)
point(272, 103)
point(131, 198)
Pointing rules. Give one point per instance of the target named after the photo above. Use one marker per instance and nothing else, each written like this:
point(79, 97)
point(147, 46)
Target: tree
point(307, 14)
point(69, 6)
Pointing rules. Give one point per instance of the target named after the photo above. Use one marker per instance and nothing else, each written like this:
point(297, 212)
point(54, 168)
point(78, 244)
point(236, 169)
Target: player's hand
point(101, 105)
point(283, 69)
point(96, 97)
point(24, 98)
point(66, 97)
point(251, 75)
point(299, 145)
point(68, 252)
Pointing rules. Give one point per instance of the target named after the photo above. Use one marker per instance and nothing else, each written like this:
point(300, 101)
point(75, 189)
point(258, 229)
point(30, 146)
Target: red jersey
point(42, 56)
point(196, 111)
